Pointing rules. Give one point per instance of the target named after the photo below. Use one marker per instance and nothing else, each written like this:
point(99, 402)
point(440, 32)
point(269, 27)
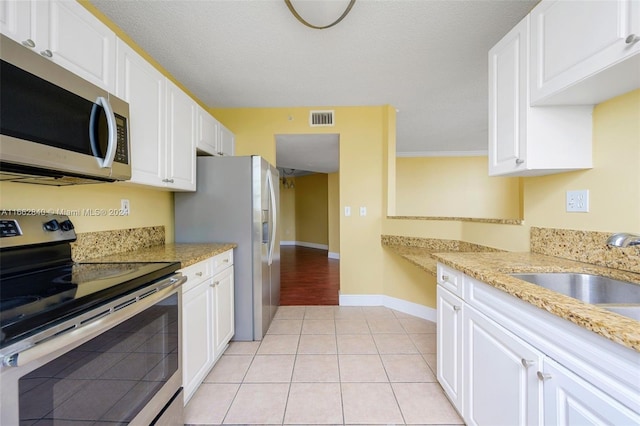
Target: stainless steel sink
point(617, 296)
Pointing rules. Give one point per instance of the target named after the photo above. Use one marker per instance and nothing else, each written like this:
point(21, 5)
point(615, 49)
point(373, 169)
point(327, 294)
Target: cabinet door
point(508, 101)
point(197, 345)
point(570, 400)
point(449, 346)
point(15, 20)
point(500, 381)
point(142, 86)
point(571, 41)
point(207, 133)
point(81, 43)
point(227, 142)
point(223, 311)
point(181, 147)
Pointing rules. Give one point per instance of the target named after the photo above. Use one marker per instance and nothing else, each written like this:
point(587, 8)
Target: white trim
point(287, 243)
point(442, 154)
point(312, 245)
point(333, 255)
point(400, 305)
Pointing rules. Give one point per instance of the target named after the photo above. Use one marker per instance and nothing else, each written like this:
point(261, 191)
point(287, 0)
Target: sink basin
point(616, 296)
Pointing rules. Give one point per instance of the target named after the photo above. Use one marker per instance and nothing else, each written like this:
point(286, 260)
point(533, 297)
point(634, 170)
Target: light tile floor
point(328, 365)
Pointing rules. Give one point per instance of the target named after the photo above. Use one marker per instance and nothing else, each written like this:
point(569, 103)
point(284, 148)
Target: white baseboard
point(304, 244)
point(287, 243)
point(333, 255)
point(400, 305)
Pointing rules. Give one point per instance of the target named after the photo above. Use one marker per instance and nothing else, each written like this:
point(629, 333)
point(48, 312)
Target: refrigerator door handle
point(273, 216)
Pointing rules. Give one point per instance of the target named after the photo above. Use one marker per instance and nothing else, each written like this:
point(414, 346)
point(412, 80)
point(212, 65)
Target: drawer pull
point(198, 274)
point(226, 260)
point(456, 308)
point(445, 277)
point(519, 161)
point(542, 376)
point(632, 38)
point(526, 363)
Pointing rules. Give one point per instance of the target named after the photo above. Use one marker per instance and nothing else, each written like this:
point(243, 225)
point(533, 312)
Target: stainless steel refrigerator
point(236, 201)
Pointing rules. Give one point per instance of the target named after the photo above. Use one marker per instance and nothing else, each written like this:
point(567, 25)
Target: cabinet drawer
point(221, 261)
point(196, 274)
point(450, 279)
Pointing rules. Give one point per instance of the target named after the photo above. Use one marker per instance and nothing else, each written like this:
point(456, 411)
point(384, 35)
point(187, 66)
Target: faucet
point(623, 239)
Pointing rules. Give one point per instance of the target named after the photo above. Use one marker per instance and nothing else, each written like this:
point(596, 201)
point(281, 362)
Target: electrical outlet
point(124, 207)
point(347, 211)
point(578, 201)
point(363, 211)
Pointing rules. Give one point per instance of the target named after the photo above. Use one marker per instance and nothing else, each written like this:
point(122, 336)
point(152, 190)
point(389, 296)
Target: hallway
point(308, 277)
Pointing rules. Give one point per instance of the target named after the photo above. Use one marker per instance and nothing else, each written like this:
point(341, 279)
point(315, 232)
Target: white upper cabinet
point(584, 52)
point(207, 133)
point(181, 140)
point(227, 142)
point(66, 33)
point(528, 141)
point(143, 87)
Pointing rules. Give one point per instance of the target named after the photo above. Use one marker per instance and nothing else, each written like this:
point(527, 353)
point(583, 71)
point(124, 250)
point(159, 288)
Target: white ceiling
point(427, 58)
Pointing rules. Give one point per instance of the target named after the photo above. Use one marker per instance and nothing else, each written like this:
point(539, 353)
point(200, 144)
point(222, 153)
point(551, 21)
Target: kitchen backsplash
point(91, 245)
point(584, 246)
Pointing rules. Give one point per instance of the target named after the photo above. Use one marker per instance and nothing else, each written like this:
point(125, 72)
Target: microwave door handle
point(107, 161)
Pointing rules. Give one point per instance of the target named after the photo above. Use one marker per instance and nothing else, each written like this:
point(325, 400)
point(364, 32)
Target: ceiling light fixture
point(319, 10)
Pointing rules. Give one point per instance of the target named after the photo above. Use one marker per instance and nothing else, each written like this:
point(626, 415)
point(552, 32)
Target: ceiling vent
point(321, 118)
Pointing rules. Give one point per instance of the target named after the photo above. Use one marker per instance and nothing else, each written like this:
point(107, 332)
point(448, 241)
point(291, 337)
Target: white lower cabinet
point(503, 361)
point(500, 370)
point(207, 318)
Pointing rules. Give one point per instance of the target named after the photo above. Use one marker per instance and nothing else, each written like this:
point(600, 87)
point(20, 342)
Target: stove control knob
point(66, 225)
point(51, 225)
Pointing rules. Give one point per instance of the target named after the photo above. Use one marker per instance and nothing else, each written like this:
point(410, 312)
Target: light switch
point(347, 211)
point(363, 211)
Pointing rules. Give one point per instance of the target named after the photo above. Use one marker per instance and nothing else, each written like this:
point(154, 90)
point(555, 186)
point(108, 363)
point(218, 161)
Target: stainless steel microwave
point(55, 127)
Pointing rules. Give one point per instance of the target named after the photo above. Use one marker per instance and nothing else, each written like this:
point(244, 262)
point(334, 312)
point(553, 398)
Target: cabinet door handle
point(215, 283)
point(167, 180)
point(526, 363)
point(542, 376)
point(519, 161)
point(198, 274)
point(632, 39)
point(456, 308)
point(47, 53)
point(29, 43)
point(445, 277)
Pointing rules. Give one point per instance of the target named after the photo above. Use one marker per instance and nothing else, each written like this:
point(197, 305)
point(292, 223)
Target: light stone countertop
point(493, 269)
point(185, 253)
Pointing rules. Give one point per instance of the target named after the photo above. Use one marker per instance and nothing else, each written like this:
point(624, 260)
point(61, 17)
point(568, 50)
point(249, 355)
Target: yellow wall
point(364, 136)
point(454, 187)
point(148, 207)
point(312, 221)
point(287, 212)
point(334, 212)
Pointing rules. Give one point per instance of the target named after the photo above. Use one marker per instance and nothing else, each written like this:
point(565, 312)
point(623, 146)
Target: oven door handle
point(105, 318)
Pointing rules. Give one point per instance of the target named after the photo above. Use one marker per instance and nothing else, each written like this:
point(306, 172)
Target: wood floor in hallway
point(308, 277)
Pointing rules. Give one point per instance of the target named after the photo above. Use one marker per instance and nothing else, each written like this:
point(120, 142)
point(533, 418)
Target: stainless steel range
point(84, 342)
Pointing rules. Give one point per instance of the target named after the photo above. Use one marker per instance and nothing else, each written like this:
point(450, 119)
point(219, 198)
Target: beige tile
point(385, 325)
point(425, 403)
point(394, 344)
point(285, 326)
point(432, 361)
point(417, 325)
point(356, 344)
point(361, 368)
point(242, 348)
point(210, 403)
point(314, 403)
point(229, 369)
point(290, 312)
point(318, 326)
point(317, 344)
point(319, 312)
point(352, 326)
point(426, 343)
point(270, 369)
point(279, 344)
point(349, 312)
point(407, 368)
point(258, 404)
point(316, 368)
point(399, 314)
point(377, 312)
point(370, 403)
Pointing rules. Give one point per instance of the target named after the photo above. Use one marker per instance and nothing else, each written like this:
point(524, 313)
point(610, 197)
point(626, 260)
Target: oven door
point(123, 368)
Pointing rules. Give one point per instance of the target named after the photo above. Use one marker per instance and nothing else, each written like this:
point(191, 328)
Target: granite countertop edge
point(185, 253)
point(494, 269)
